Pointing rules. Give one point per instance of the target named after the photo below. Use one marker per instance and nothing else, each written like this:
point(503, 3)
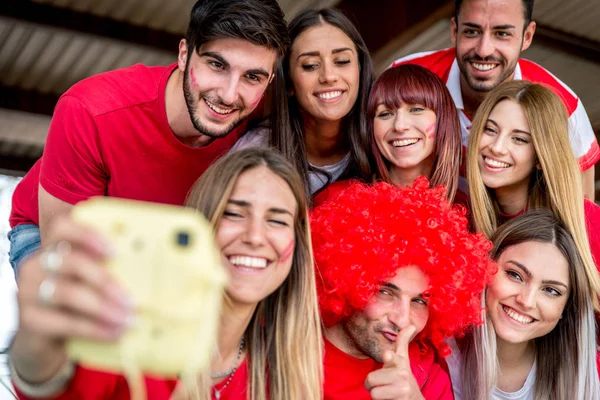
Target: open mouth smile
point(217, 109)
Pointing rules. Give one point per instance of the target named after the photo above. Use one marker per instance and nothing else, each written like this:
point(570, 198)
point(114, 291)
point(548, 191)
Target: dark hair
point(287, 126)
point(260, 22)
point(527, 10)
point(413, 84)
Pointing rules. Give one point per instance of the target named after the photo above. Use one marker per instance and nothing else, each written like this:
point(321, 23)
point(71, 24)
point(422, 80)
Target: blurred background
point(48, 45)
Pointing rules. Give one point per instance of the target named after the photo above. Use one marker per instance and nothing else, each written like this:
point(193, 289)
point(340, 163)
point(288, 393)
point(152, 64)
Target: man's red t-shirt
point(345, 375)
point(110, 136)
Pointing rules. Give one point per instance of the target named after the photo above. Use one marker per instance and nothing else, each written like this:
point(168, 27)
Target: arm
point(589, 184)
point(50, 207)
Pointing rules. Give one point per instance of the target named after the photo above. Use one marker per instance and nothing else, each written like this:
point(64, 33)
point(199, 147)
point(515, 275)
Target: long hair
point(556, 186)
point(413, 84)
point(287, 127)
point(284, 335)
point(566, 356)
point(365, 233)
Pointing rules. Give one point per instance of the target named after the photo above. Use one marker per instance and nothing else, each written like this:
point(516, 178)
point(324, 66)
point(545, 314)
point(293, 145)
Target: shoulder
point(331, 191)
point(431, 375)
point(119, 88)
point(533, 72)
point(254, 137)
point(439, 62)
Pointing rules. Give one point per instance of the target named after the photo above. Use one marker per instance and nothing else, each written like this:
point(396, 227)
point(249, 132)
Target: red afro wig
point(363, 234)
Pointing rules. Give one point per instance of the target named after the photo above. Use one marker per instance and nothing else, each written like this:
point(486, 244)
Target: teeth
point(516, 316)
point(494, 163)
point(329, 95)
point(216, 109)
point(483, 67)
point(250, 262)
point(404, 142)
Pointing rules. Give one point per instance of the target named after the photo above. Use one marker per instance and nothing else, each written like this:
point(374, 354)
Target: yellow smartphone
point(167, 261)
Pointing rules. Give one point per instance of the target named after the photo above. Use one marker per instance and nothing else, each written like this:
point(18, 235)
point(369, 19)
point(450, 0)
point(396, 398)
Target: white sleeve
point(255, 137)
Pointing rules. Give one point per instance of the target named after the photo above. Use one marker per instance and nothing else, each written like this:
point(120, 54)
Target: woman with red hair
point(394, 266)
point(413, 131)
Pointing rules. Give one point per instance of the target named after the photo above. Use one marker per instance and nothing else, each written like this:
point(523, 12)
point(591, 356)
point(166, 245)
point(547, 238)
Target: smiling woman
point(538, 341)
point(319, 119)
point(262, 232)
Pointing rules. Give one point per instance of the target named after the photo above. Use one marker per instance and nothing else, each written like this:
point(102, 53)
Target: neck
point(234, 322)
point(403, 177)
point(325, 144)
point(511, 355)
point(471, 99)
point(178, 115)
point(510, 200)
point(338, 336)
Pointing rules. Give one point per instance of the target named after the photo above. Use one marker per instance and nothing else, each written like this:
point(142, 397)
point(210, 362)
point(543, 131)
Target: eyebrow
point(514, 130)
point(216, 56)
point(316, 53)
point(390, 285)
point(529, 275)
point(246, 204)
point(497, 27)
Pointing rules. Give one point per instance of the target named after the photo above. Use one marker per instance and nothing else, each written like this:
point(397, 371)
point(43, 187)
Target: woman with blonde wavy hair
point(538, 337)
point(519, 159)
point(269, 343)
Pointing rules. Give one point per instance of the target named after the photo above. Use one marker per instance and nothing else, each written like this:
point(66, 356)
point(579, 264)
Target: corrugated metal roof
point(578, 17)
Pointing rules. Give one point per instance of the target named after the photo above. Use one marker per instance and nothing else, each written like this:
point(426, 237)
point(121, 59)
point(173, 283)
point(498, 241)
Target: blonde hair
point(565, 356)
point(284, 338)
point(556, 186)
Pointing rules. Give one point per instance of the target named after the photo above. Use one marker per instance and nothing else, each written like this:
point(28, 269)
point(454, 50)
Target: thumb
point(403, 339)
point(390, 359)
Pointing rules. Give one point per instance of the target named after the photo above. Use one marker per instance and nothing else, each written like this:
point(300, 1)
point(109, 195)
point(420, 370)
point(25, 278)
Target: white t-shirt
point(259, 137)
point(454, 366)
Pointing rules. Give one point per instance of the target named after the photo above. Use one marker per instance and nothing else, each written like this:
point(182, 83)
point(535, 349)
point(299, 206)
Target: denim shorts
point(24, 240)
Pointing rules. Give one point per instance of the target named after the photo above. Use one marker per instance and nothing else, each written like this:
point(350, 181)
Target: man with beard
point(147, 133)
point(489, 36)
point(397, 272)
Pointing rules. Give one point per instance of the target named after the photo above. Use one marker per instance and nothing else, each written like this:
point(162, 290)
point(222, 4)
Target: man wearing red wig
point(397, 273)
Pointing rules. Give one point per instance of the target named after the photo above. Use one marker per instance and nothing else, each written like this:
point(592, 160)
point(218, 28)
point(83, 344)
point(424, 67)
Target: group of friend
point(422, 235)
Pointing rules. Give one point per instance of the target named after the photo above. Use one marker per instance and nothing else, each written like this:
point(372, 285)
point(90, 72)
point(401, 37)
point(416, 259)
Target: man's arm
point(588, 183)
point(50, 207)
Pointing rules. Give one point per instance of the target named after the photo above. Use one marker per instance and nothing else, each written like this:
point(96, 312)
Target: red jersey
point(345, 375)
point(110, 136)
point(581, 135)
point(88, 384)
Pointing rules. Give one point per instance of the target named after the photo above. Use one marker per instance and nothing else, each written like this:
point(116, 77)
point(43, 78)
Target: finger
point(391, 359)
point(80, 267)
point(64, 228)
point(403, 339)
point(55, 323)
point(393, 391)
point(387, 376)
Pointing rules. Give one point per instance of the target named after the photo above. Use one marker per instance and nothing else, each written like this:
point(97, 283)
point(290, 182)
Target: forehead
point(241, 54)
point(510, 113)
point(264, 189)
point(494, 12)
point(323, 38)
point(544, 260)
point(410, 280)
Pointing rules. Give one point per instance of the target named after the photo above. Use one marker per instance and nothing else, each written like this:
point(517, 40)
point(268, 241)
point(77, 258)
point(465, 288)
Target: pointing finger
point(403, 339)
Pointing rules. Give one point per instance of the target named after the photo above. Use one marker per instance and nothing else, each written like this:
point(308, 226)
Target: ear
point(182, 56)
point(538, 166)
point(528, 35)
point(453, 30)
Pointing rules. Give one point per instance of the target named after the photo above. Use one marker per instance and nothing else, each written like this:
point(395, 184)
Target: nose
point(497, 146)
point(328, 73)
point(485, 46)
point(228, 91)
point(254, 234)
point(527, 297)
point(400, 313)
point(401, 122)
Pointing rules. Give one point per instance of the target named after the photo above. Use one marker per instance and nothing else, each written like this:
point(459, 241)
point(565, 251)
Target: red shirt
point(581, 135)
point(592, 222)
point(345, 375)
point(90, 384)
point(110, 136)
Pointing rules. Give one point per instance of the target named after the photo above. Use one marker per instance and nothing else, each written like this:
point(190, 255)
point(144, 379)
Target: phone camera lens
point(183, 239)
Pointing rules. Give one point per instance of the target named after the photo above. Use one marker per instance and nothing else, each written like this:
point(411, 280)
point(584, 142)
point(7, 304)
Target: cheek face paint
point(193, 77)
point(430, 131)
point(287, 252)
